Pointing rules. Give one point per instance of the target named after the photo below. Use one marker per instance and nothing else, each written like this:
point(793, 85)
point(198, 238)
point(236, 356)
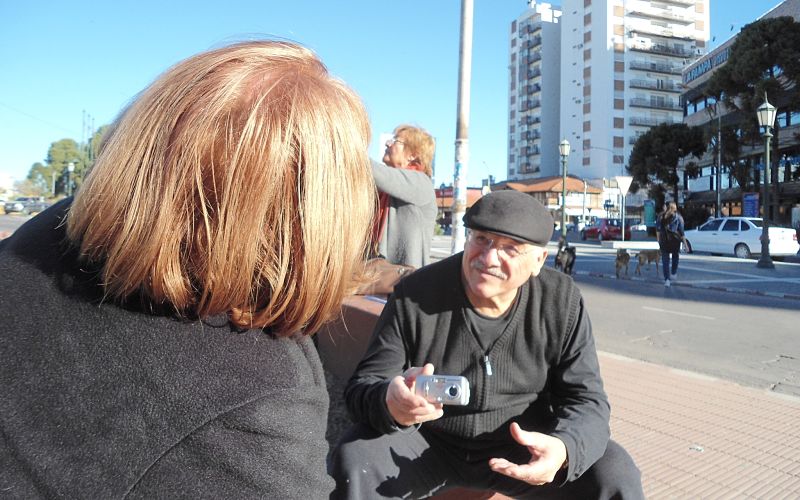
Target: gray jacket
point(412, 214)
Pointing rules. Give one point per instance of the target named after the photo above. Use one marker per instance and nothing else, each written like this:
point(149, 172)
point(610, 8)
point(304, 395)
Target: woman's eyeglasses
point(391, 142)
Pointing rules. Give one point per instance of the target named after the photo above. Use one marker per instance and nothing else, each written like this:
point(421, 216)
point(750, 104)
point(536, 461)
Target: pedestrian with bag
point(670, 238)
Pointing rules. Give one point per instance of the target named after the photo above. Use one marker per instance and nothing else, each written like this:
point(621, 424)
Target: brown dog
point(623, 259)
point(648, 257)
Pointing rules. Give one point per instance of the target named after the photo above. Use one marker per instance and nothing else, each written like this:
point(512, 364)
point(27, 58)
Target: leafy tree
point(60, 154)
point(765, 58)
point(29, 187)
point(731, 150)
point(656, 154)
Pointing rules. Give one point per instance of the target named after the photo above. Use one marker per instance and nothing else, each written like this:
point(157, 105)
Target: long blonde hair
point(237, 183)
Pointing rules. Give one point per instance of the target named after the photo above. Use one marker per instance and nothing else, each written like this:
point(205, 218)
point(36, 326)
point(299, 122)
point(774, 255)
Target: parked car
point(605, 229)
point(26, 205)
point(740, 236)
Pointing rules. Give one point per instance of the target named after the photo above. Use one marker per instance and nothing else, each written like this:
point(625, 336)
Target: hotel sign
point(707, 65)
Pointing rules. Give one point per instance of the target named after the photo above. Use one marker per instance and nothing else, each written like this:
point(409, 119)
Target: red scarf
point(379, 223)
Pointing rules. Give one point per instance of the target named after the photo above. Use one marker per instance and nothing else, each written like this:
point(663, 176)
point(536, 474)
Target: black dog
point(565, 259)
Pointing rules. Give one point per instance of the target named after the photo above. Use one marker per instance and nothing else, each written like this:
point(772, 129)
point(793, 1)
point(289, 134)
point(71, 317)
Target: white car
point(740, 236)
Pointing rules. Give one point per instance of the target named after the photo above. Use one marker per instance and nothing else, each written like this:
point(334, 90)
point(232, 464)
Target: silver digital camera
point(445, 389)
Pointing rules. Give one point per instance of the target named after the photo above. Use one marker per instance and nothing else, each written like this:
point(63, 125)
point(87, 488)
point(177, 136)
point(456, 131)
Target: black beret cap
point(511, 213)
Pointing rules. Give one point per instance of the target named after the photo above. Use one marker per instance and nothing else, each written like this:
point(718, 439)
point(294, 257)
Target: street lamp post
point(70, 169)
point(563, 151)
point(766, 119)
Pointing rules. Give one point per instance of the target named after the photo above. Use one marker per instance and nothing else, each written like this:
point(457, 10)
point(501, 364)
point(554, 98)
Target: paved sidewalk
point(698, 437)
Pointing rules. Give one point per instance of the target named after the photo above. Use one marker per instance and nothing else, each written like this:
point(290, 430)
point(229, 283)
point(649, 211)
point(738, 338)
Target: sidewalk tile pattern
point(698, 437)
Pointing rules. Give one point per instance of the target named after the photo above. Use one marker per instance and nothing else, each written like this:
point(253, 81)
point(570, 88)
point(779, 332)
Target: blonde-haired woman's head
point(237, 183)
point(411, 146)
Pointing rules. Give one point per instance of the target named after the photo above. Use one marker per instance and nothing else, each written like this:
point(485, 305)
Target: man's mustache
point(494, 271)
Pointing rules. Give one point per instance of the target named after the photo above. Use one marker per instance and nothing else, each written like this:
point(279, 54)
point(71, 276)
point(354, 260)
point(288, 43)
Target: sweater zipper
point(487, 364)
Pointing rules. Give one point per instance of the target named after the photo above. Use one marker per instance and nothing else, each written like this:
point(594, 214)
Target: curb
point(790, 296)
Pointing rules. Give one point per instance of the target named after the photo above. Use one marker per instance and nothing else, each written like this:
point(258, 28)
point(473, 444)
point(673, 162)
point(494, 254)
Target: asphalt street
point(723, 317)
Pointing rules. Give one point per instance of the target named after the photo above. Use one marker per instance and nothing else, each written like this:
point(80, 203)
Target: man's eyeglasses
point(485, 243)
point(391, 142)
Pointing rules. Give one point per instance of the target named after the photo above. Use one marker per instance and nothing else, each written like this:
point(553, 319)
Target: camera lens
point(452, 391)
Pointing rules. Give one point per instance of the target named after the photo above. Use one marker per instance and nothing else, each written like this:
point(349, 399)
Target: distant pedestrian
point(797, 230)
point(670, 238)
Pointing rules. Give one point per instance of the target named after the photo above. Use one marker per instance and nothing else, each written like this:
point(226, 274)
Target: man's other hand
point(404, 405)
point(548, 455)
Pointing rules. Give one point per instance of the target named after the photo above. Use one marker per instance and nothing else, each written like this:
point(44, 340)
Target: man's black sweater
point(543, 371)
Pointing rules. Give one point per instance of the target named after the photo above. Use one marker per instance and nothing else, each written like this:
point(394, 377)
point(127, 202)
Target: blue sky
point(61, 59)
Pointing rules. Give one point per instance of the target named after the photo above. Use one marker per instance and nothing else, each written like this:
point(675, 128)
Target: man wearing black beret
point(537, 421)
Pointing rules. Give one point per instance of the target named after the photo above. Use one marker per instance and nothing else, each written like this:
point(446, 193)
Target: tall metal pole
point(765, 261)
point(719, 164)
point(462, 128)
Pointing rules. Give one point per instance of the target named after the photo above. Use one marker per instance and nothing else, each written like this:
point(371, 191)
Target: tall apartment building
point(621, 64)
point(534, 93)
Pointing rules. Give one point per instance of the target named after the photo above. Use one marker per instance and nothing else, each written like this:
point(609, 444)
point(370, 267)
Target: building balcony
point(655, 85)
point(533, 88)
point(665, 50)
point(536, 56)
point(537, 72)
point(665, 15)
point(530, 120)
point(662, 32)
point(646, 121)
point(655, 67)
point(679, 2)
point(527, 168)
point(532, 134)
point(641, 102)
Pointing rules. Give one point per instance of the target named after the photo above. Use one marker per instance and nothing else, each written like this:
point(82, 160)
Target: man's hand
point(548, 454)
point(404, 405)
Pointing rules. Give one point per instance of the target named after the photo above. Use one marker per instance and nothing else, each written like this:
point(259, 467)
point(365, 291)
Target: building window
point(587, 160)
point(619, 47)
point(587, 36)
point(699, 8)
point(619, 122)
point(619, 11)
point(587, 3)
point(587, 108)
point(587, 144)
point(619, 66)
point(513, 99)
point(619, 85)
point(587, 54)
point(619, 159)
point(587, 126)
point(512, 129)
point(619, 104)
point(699, 25)
point(619, 142)
point(587, 19)
point(587, 72)
point(514, 27)
point(512, 114)
point(587, 90)
point(619, 30)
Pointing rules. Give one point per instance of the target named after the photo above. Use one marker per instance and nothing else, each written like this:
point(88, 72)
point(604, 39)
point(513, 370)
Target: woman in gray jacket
point(407, 213)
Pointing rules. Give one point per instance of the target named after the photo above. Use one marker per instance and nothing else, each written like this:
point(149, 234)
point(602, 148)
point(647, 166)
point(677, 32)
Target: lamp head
point(563, 148)
point(766, 113)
